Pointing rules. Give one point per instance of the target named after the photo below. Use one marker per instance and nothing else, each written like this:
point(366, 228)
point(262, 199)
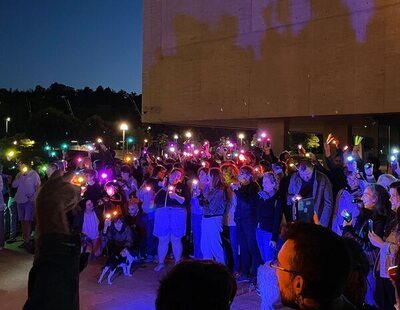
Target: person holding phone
point(372, 217)
point(27, 183)
point(146, 195)
point(312, 185)
point(347, 201)
point(269, 216)
point(170, 217)
point(246, 223)
point(198, 188)
point(216, 199)
point(388, 249)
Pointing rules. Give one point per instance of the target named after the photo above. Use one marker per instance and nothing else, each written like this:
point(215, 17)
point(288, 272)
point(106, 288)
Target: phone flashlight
point(347, 216)
point(370, 225)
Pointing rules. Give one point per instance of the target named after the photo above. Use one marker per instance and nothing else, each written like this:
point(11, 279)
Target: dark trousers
point(384, 294)
point(151, 240)
point(249, 252)
point(231, 248)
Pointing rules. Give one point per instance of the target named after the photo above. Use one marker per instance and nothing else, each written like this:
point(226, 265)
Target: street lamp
point(188, 134)
point(8, 119)
point(124, 128)
point(241, 137)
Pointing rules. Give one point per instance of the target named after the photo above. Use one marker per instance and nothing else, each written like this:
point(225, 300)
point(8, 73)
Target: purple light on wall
point(250, 15)
point(301, 14)
point(251, 20)
point(361, 13)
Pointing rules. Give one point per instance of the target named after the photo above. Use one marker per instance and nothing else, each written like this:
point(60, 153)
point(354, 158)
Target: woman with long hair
point(214, 202)
point(230, 174)
point(146, 195)
point(170, 217)
point(388, 249)
point(372, 217)
point(246, 223)
point(198, 186)
point(269, 216)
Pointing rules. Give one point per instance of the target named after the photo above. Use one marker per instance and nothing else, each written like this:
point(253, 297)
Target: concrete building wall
point(220, 60)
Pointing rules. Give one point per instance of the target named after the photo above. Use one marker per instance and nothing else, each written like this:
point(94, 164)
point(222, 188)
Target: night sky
point(77, 43)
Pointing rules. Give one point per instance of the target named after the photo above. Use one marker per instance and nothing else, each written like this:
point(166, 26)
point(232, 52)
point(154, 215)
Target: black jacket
point(269, 215)
point(54, 278)
point(247, 197)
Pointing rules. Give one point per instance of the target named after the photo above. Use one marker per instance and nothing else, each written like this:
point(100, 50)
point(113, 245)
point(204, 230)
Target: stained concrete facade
point(271, 63)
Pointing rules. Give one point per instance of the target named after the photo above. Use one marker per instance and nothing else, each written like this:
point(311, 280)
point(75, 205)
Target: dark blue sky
point(76, 42)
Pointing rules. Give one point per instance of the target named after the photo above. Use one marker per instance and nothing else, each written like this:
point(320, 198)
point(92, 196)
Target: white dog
point(114, 262)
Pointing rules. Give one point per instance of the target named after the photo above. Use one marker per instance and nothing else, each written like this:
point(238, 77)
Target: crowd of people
point(236, 207)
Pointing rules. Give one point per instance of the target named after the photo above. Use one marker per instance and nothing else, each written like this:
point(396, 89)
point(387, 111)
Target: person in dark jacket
point(246, 223)
point(119, 237)
point(372, 217)
point(269, 216)
point(312, 184)
point(312, 268)
point(94, 191)
point(54, 277)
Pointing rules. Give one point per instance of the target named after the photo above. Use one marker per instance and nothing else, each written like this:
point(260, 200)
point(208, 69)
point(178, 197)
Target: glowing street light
point(188, 134)
point(8, 119)
point(124, 128)
point(241, 136)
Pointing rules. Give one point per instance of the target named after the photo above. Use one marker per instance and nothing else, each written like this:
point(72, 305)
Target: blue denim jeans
point(196, 231)
point(235, 248)
point(263, 239)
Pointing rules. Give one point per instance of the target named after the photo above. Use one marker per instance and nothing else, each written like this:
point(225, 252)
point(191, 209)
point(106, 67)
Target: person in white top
point(27, 183)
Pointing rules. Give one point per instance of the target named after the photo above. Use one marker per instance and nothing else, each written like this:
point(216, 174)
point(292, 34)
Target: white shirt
point(90, 225)
point(27, 186)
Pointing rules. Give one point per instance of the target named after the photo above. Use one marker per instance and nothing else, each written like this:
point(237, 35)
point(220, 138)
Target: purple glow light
point(251, 19)
point(250, 15)
point(361, 14)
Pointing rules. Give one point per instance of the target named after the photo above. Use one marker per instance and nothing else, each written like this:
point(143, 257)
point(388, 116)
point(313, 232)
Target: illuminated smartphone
point(347, 216)
point(370, 225)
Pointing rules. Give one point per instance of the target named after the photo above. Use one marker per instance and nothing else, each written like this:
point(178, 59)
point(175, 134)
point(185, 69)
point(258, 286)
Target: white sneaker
point(159, 267)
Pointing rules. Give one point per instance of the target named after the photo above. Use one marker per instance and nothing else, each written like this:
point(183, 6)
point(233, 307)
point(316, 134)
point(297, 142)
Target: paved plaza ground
point(137, 292)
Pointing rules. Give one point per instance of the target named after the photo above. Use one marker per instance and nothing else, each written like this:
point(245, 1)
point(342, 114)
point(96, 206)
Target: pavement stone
point(136, 293)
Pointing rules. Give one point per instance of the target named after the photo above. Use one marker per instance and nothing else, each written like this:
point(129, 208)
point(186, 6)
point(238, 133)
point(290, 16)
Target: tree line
point(61, 112)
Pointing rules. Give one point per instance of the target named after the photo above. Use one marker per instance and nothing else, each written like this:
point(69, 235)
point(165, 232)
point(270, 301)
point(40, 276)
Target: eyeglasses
point(275, 264)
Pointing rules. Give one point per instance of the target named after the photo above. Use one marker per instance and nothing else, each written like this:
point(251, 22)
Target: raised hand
point(56, 197)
